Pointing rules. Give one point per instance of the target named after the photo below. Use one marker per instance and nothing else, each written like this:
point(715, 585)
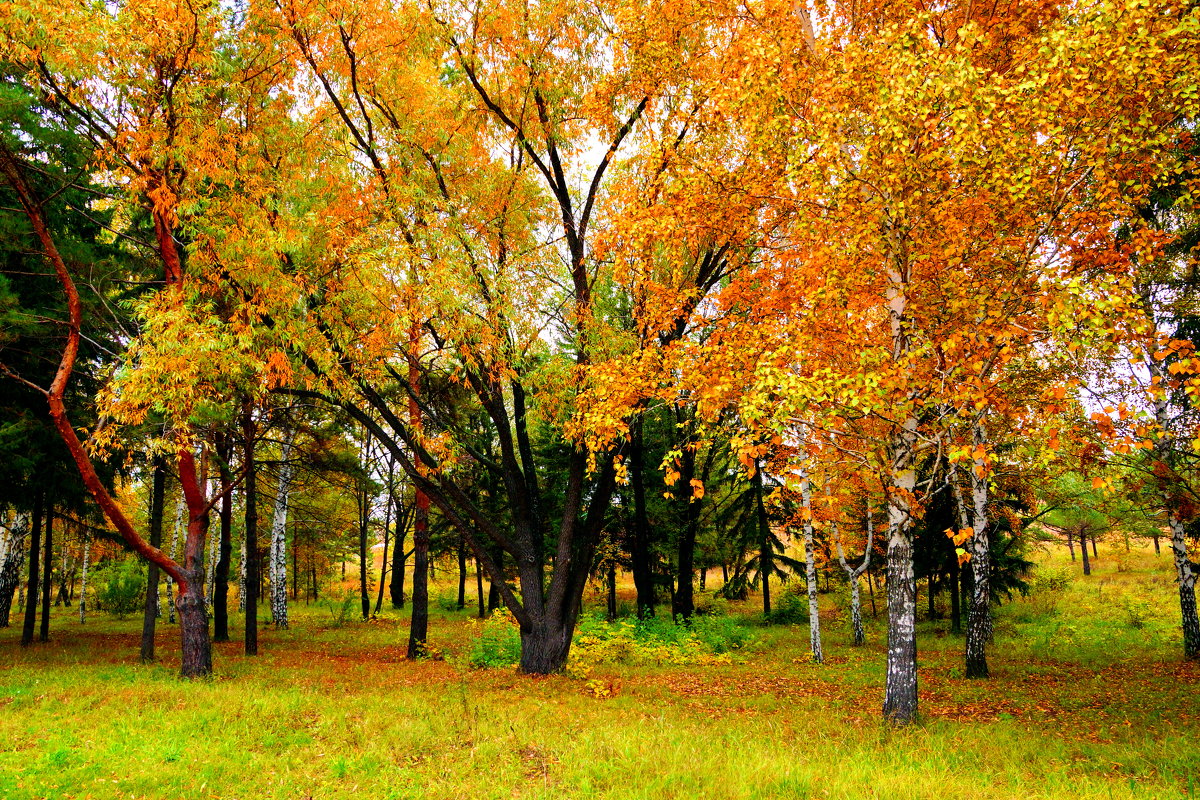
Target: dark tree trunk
point(250, 434)
point(931, 590)
point(158, 487)
point(612, 592)
point(387, 537)
point(544, 649)
point(220, 601)
point(313, 569)
point(47, 575)
point(1094, 553)
point(1157, 550)
point(640, 548)
point(462, 572)
point(364, 514)
point(35, 552)
point(766, 561)
point(683, 603)
point(493, 588)
point(1087, 564)
point(479, 588)
point(418, 629)
point(399, 559)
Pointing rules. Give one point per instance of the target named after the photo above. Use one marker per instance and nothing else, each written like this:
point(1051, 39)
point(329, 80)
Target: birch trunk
point(854, 575)
point(11, 561)
point(242, 578)
point(810, 570)
point(978, 619)
point(31, 594)
point(279, 598)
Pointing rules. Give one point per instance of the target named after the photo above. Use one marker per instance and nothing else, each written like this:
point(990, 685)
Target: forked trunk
point(545, 648)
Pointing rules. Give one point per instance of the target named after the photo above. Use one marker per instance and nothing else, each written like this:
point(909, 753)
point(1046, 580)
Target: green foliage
point(120, 587)
point(791, 606)
point(498, 642)
point(340, 605)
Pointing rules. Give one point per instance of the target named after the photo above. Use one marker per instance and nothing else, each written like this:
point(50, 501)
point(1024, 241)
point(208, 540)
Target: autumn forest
point(574, 398)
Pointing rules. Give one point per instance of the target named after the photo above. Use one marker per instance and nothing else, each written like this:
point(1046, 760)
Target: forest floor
point(1089, 698)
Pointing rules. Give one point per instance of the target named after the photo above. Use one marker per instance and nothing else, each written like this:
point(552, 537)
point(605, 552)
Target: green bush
point(121, 587)
point(498, 643)
point(791, 606)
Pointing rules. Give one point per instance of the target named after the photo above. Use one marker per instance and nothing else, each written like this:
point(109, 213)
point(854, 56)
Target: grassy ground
point(1089, 699)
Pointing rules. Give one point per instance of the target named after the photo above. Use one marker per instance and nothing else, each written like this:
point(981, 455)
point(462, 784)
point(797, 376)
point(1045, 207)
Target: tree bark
point(10, 566)
point(47, 575)
point(765, 550)
point(900, 695)
point(640, 547)
point(854, 575)
point(810, 570)
point(1070, 544)
point(279, 597)
point(35, 553)
point(418, 629)
point(220, 600)
point(978, 620)
point(462, 572)
point(249, 437)
point(479, 588)
point(158, 485)
point(1083, 549)
point(87, 546)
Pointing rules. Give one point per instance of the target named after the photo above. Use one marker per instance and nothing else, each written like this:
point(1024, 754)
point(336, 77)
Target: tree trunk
point(462, 572)
point(170, 595)
point(900, 696)
point(364, 519)
point(479, 588)
point(399, 557)
point(1071, 544)
point(47, 575)
point(545, 648)
point(1157, 549)
point(640, 547)
point(387, 535)
point(810, 570)
point(1083, 549)
point(418, 630)
point(1186, 575)
point(612, 591)
point(35, 553)
point(493, 587)
point(158, 486)
point(1095, 554)
point(279, 597)
point(220, 599)
point(765, 550)
point(10, 566)
point(87, 546)
point(249, 436)
point(978, 619)
point(683, 603)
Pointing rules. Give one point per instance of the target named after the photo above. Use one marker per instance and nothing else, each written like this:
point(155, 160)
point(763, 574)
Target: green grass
point(1088, 700)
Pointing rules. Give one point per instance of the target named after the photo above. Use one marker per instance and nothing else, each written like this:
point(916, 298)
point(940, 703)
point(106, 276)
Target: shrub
point(498, 643)
point(121, 587)
point(791, 607)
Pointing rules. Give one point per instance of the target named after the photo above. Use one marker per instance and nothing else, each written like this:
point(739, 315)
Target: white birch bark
point(854, 574)
point(810, 568)
point(978, 621)
point(12, 559)
point(242, 578)
point(278, 573)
